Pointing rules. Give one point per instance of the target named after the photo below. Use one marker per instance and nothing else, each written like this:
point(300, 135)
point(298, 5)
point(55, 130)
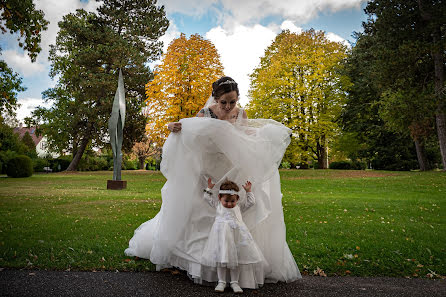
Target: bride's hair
point(229, 185)
point(224, 85)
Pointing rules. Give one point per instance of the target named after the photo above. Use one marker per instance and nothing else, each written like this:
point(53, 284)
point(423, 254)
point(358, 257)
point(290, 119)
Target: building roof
point(32, 131)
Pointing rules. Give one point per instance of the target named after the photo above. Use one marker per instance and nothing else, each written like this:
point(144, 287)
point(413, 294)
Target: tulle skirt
point(204, 148)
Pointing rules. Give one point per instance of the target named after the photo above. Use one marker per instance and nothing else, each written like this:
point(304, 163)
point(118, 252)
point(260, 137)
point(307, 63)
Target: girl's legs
point(221, 273)
point(235, 273)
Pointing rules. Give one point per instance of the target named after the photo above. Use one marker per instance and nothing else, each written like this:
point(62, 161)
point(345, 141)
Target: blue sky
point(240, 29)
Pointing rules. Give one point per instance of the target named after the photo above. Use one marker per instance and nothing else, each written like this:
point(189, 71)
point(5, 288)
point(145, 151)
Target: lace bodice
point(208, 113)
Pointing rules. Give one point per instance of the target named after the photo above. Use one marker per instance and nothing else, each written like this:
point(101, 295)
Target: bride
point(220, 143)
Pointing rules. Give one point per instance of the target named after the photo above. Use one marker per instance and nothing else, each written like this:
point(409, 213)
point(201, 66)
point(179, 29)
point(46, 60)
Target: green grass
point(363, 223)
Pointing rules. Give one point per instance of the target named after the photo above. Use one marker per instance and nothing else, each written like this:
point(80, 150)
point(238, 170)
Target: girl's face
point(228, 201)
point(227, 101)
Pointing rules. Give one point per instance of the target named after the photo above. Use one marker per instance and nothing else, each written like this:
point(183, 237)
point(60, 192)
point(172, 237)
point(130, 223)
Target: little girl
point(230, 243)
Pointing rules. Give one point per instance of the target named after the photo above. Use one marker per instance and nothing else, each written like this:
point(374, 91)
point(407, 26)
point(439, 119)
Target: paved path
point(158, 284)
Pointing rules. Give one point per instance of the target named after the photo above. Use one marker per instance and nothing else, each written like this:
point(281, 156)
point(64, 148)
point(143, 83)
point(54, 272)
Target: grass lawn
point(363, 223)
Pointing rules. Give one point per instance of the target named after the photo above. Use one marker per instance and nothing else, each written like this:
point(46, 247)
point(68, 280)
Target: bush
point(348, 165)
point(129, 164)
point(93, 164)
point(285, 165)
point(20, 166)
point(5, 156)
point(358, 165)
point(60, 164)
point(39, 163)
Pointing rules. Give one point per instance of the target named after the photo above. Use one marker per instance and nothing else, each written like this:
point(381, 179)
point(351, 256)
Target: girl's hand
point(174, 127)
point(247, 186)
point(210, 184)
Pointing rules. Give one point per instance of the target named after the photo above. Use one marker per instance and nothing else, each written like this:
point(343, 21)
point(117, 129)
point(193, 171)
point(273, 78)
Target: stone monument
point(115, 128)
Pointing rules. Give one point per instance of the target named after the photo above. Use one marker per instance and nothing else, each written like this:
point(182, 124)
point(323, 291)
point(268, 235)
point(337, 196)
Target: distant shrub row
point(348, 165)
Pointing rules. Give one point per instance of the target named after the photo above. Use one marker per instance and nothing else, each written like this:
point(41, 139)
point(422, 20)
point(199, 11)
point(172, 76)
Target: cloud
point(27, 105)
point(246, 12)
point(289, 25)
point(242, 47)
point(190, 7)
point(21, 63)
point(240, 51)
point(336, 38)
point(54, 11)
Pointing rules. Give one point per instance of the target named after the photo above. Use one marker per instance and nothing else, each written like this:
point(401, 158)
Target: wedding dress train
point(205, 148)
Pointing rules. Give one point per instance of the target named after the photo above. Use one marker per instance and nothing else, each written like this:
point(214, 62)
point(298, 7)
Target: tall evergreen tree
point(89, 50)
point(407, 44)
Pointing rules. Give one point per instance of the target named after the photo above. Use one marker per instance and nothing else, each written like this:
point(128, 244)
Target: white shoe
point(236, 288)
point(220, 287)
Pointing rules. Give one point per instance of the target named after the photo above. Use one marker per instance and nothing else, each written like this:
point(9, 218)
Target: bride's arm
point(174, 127)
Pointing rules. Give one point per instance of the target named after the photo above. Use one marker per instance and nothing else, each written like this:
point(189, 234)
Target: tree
point(21, 16)
point(144, 149)
point(29, 142)
point(10, 86)
point(182, 83)
point(361, 119)
point(297, 84)
point(88, 52)
point(406, 41)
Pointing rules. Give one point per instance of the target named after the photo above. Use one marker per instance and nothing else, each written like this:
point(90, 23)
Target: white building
point(40, 141)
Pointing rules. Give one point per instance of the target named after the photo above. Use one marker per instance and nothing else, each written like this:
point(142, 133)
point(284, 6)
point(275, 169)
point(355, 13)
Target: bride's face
point(227, 101)
point(228, 201)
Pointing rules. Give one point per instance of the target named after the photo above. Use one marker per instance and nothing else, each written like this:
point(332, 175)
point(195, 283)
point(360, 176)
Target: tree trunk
point(79, 152)
point(421, 155)
point(437, 55)
point(141, 162)
point(441, 131)
point(440, 94)
point(322, 154)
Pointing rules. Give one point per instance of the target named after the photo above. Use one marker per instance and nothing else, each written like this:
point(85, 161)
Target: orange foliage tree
point(182, 83)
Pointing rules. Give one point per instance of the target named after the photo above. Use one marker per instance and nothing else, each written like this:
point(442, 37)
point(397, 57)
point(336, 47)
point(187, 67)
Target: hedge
point(20, 166)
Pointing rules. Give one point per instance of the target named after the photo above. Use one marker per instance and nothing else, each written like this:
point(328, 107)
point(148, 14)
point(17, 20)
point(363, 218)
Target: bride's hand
point(210, 184)
point(174, 127)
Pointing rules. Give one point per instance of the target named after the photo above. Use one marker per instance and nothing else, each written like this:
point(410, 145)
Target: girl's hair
point(224, 85)
point(229, 185)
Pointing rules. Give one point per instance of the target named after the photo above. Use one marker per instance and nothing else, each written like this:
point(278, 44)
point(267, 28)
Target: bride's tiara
point(227, 82)
point(230, 192)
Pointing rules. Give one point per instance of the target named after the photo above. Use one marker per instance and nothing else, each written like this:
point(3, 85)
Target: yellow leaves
point(296, 85)
point(182, 83)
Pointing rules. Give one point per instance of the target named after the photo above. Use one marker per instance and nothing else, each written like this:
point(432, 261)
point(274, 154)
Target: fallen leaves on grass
point(319, 272)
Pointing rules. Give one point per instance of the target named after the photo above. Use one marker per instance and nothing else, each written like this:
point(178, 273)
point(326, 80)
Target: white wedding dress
point(206, 147)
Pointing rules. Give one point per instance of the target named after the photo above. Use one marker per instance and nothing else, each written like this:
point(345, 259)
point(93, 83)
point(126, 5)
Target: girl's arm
point(250, 201)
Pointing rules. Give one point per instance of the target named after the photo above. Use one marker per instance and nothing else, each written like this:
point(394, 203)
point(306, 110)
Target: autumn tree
point(297, 84)
point(145, 149)
point(182, 83)
point(89, 50)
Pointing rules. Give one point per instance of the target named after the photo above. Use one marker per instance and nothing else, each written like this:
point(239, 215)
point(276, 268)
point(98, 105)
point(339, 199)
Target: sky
point(241, 30)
